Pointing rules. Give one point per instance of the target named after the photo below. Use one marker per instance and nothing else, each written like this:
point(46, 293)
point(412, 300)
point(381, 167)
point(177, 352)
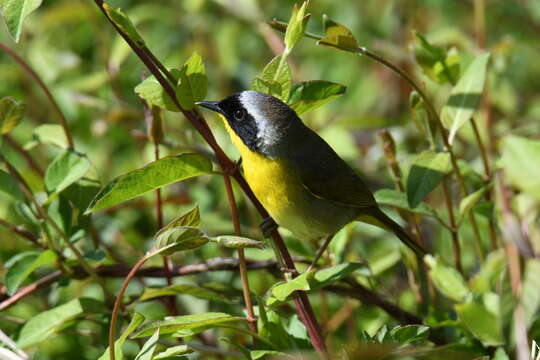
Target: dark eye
point(239, 114)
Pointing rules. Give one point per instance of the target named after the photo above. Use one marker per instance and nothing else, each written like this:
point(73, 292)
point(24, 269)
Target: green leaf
point(409, 333)
point(189, 218)
point(9, 186)
point(150, 177)
point(47, 323)
point(187, 325)
point(124, 23)
point(299, 283)
point(465, 96)
point(183, 289)
point(398, 199)
point(490, 273)
point(436, 62)
point(23, 265)
point(149, 347)
point(427, 171)
point(271, 76)
point(15, 12)
point(484, 325)
point(11, 113)
point(422, 118)
point(270, 87)
point(530, 296)
point(297, 26)
point(119, 354)
point(468, 202)
point(519, 158)
point(192, 86)
point(153, 93)
point(178, 238)
point(309, 95)
point(68, 167)
point(328, 276)
point(51, 134)
point(447, 279)
point(173, 352)
point(259, 354)
point(337, 36)
point(236, 242)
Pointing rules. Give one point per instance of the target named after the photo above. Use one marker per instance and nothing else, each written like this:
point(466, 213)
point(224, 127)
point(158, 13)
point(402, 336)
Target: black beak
point(212, 105)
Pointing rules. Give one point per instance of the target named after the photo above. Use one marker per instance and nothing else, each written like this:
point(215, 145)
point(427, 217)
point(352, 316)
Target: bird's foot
point(267, 226)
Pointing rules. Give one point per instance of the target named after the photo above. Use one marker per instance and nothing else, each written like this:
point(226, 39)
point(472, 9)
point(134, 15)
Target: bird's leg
point(320, 251)
point(267, 226)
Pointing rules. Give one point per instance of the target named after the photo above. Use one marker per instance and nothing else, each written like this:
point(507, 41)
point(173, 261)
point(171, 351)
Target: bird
point(304, 185)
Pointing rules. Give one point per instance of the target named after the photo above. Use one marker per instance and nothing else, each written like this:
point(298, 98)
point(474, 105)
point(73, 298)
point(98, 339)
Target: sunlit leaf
point(133, 325)
point(23, 264)
point(14, 12)
point(124, 23)
point(192, 85)
point(187, 324)
point(151, 90)
point(468, 202)
point(409, 333)
point(337, 36)
point(68, 167)
point(149, 347)
point(178, 238)
point(51, 134)
point(297, 26)
point(150, 177)
point(519, 158)
point(11, 113)
point(299, 283)
point(465, 96)
point(272, 74)
point(427, 171)
point(45, 324)
point(173, 352)
point(447, 279)
point(236, 242)
point(437, 63)
point(260, 354)
point(481, 322)
point(398, 199)
point(309, 95)
point(270, 87)
point(9, 186)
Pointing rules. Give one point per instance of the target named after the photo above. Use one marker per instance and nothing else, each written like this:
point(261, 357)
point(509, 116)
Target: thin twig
point(27, 157)
point(42, 85)
point(22, 232)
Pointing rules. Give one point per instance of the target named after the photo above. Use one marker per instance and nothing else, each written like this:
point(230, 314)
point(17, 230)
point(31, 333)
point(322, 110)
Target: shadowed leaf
point(427, 171)
point(309, 95)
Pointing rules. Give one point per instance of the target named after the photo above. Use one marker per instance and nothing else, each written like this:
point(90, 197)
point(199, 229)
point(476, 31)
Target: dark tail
point(391, 225)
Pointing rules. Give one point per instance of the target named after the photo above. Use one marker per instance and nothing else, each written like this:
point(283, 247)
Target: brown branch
point(22, 232)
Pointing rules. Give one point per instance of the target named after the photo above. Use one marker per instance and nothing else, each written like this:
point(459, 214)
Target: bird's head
point(259, 120)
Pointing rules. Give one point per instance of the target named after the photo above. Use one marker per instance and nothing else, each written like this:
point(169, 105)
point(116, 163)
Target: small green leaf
point(124, 23)
point(23, 265)
point(270, 87)
point(45, 324)
point(68, 167)
point(14, 12)
point(447, 280)
point(259, 354)
point(299, 283)
point(153, 93)
point(149, 347)
point(422, 118)
point(409, 333)
point(187, 324)
point(490, 273)
point(150, 177)
point(519, 158)
point(427, 171)
point(183, 289)
point(9, 186)
point(11, 113)
point(330, 275)
point(236, 242)
point(465, 96)
point(337, 36)
point(192, 86)
point(436, 62)
point(178, 238)
point(481, 322)
point(119, 354)
point(530, 296)
point(189, 218)
point(309, 95)
point(173, 352)
point(297, 26)
point(271, 76)
point(398, 199)
point(467, 203)
point(51, 134)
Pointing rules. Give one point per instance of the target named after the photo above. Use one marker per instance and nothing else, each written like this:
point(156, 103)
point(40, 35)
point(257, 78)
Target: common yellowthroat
point(300, 180)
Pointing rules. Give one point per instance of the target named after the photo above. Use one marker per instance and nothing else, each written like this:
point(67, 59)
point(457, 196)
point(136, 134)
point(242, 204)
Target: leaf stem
point(42, 85)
